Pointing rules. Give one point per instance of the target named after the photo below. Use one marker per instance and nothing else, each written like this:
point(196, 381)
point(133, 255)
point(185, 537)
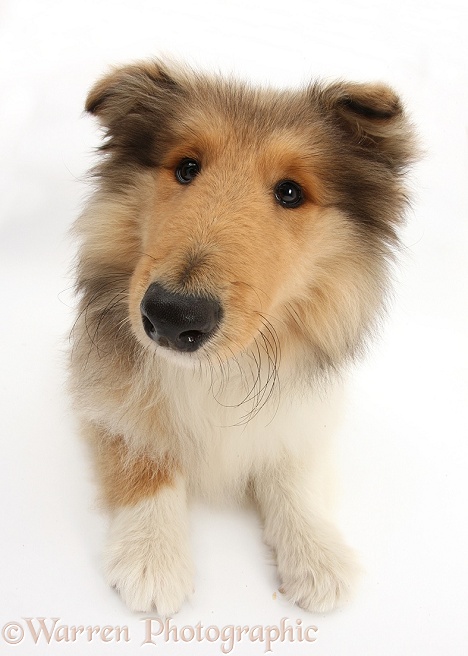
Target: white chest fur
point(228, 434)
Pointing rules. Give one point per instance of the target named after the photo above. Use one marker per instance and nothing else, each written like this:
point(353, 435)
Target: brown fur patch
point(127, 477)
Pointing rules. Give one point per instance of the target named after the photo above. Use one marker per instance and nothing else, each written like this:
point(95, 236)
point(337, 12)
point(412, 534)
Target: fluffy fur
point(300, 290)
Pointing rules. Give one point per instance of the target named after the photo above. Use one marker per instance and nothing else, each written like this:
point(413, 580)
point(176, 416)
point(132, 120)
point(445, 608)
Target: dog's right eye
point(186, 170)
point(289, 194)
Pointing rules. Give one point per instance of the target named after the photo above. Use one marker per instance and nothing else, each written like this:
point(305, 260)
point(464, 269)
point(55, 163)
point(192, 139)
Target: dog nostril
point(147, 325)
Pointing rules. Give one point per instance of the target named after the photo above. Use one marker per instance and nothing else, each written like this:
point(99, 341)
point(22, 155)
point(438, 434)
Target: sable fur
point(300, 290)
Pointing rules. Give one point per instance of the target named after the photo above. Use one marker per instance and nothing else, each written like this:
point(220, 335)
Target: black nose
point(179, 321)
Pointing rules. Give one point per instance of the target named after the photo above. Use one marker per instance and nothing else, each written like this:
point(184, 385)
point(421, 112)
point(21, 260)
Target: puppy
point(234, 253)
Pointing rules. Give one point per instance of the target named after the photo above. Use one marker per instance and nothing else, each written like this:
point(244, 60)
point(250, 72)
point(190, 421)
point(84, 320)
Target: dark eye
point(289, 194)
point(186, 170)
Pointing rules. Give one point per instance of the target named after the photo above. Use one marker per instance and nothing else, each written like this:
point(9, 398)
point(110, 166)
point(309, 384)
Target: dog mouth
point(179, 322)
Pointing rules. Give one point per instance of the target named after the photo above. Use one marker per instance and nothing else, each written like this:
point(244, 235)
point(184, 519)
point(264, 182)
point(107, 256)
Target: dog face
point(228, 215)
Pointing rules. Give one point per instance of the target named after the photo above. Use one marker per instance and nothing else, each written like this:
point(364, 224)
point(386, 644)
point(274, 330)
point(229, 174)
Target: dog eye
point(289, 194)
point(186, 170)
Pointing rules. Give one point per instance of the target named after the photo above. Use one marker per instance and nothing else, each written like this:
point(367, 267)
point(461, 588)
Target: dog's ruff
point(296, 289)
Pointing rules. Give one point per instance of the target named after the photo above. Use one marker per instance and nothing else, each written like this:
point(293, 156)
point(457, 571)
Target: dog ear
point(372, 115)
point(135, 104)
point(121, 89)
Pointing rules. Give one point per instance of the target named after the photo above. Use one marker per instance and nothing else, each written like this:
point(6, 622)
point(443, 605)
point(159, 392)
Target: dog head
point(228, 215)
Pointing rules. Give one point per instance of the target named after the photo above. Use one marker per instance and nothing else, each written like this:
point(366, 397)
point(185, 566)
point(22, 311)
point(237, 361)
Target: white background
point(401, 427)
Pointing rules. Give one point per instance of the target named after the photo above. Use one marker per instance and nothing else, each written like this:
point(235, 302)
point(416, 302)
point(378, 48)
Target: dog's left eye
point(289, 194)
point(186, 170)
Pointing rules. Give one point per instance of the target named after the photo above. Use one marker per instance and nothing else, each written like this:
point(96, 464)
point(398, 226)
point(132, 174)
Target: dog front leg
point(315, 566)
point(147, 557)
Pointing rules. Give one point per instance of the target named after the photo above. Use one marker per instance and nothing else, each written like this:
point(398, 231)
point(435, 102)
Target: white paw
point(148, 564)
point(318, 577)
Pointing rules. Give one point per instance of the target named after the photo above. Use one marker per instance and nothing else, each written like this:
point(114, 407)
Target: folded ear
point(123, 87)
point(373, 116)
point(134, 104)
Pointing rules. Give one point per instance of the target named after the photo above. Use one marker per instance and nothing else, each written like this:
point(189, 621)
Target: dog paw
point(318, 578)
point(149, 564)
point(149, 578)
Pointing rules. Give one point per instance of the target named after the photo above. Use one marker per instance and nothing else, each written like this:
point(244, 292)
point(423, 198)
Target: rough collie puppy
point(235, 251)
